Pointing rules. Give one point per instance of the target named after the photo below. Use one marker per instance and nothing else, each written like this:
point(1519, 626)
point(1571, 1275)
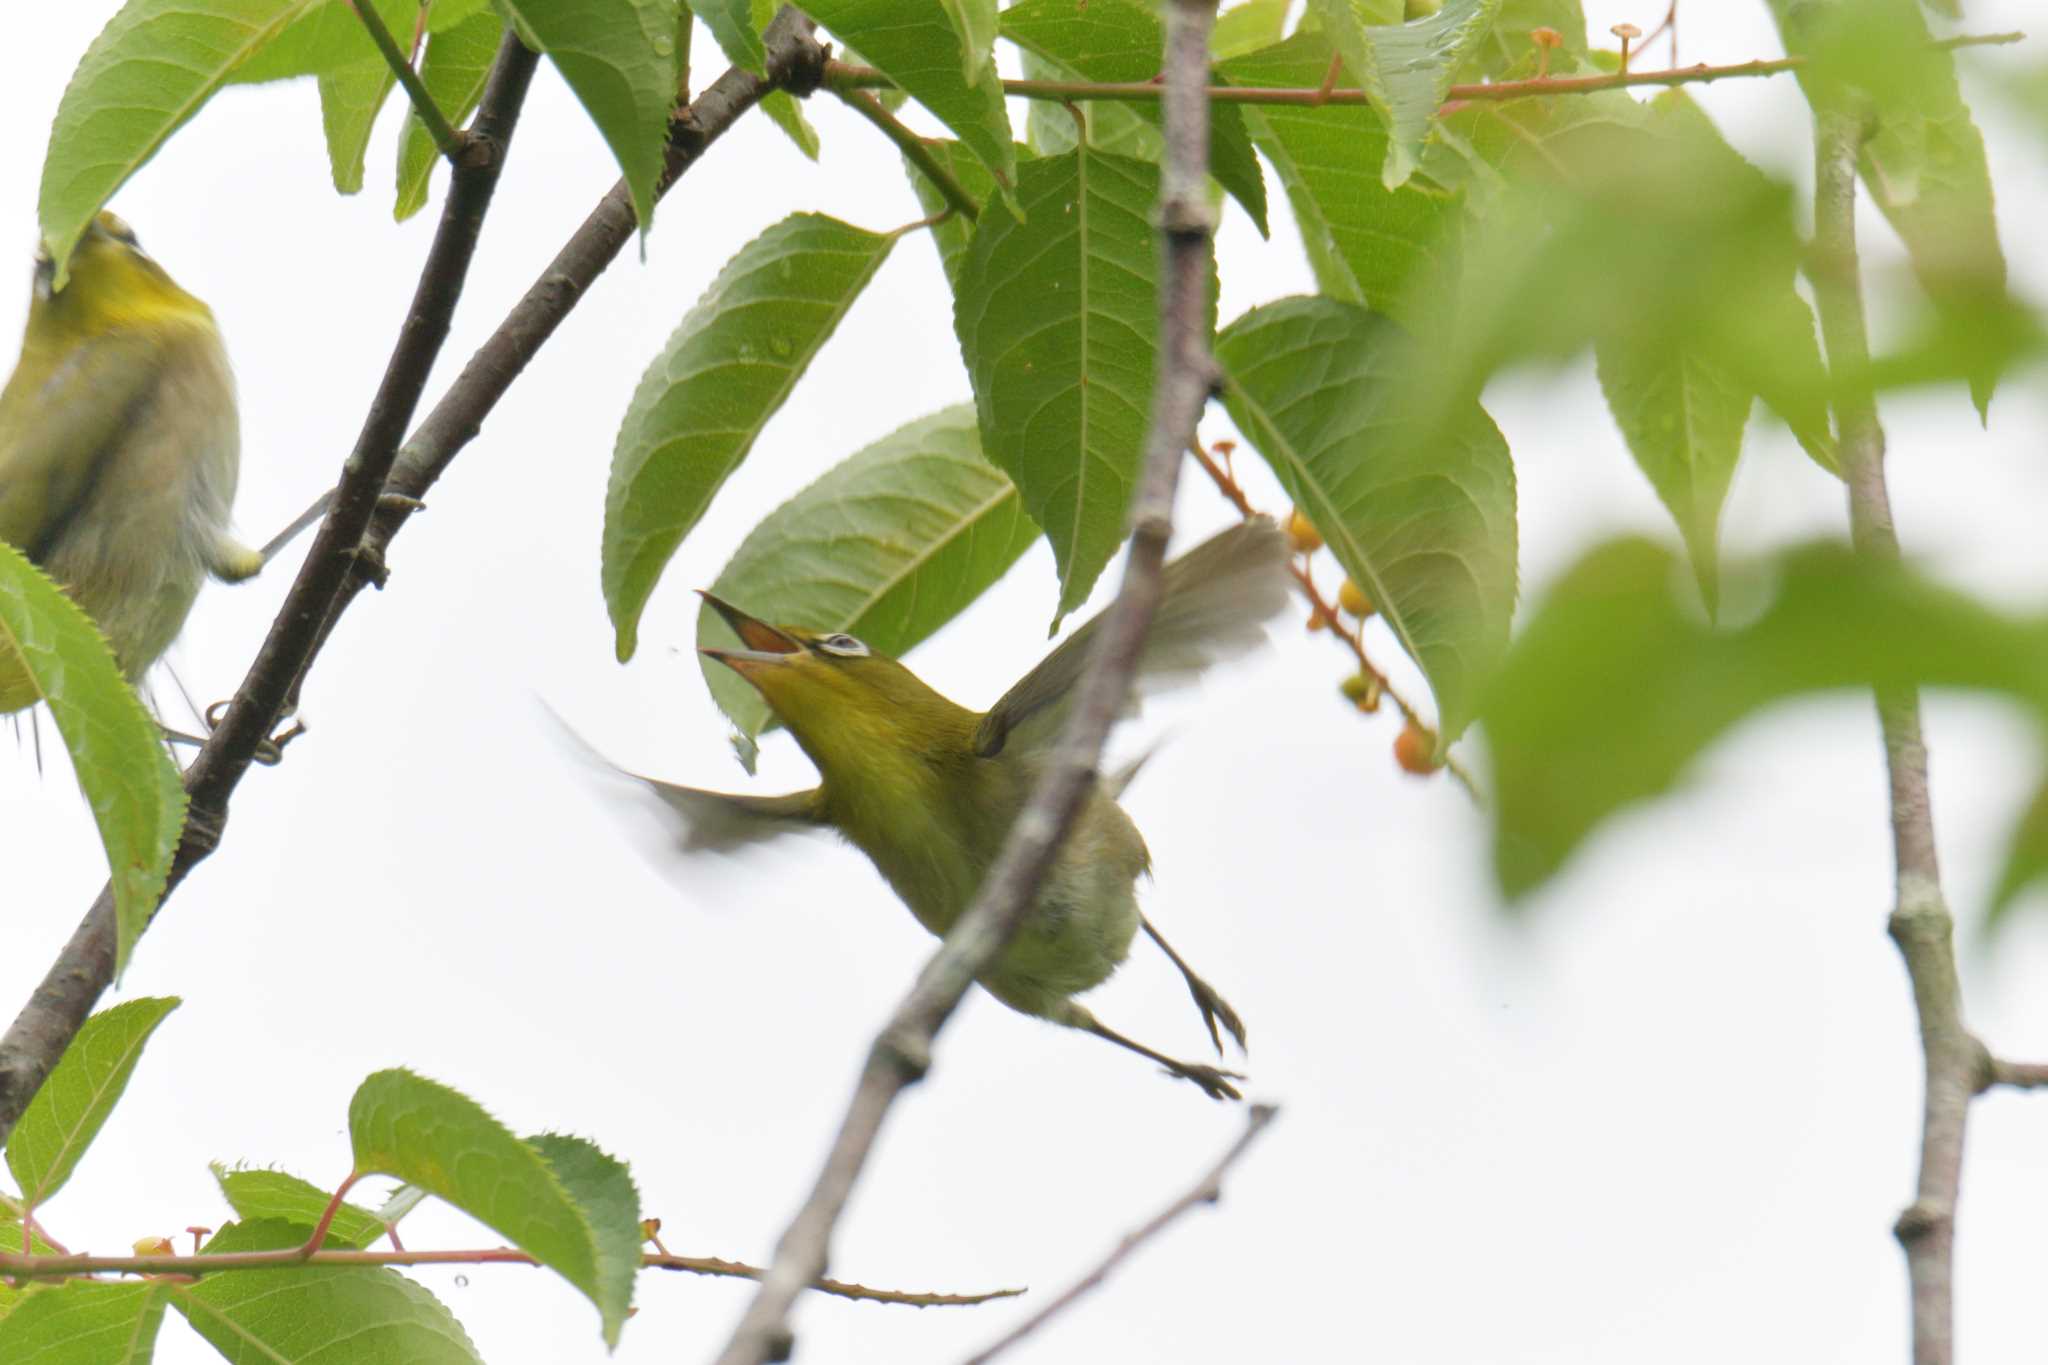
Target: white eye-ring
point(843, 645)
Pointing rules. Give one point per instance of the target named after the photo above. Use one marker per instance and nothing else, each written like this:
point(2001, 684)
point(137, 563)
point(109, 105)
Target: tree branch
point(1956, 1064)
point(331, 577)
point(1207, 1190)
point(901, 1053)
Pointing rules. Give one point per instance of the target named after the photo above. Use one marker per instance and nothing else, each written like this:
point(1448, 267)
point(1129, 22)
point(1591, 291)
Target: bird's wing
point(55, 430)
point(696, 821)
point(1217, 599)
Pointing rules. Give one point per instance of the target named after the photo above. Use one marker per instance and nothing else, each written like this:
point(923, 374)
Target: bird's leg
point(1212, 1005)
point(1215, 1083)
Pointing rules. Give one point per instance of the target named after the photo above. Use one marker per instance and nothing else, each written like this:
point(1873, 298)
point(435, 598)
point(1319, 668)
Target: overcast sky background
point(1667, 1114)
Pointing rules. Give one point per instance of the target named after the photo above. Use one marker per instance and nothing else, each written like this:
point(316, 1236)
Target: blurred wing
point(55, 431)
point(1218, 597)
point(697, 821)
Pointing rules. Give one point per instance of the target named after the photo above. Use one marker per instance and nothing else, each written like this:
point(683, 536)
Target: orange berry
point(1352, 598)
point(1415, 750)
point(1303, 533)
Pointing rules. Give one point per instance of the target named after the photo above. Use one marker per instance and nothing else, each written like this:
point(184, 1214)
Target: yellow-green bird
point(929, 789)
point(119, 449)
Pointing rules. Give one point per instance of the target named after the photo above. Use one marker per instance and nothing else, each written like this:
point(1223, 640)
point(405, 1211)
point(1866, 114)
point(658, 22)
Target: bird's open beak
point(764, 643)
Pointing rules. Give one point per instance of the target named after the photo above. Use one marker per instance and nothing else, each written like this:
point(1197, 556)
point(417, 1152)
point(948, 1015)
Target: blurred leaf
point(1247, 27)
point(1425, 525)
point(432, 1136)
point(456, 62)
point(51, 649)
point(315, 1313)
point(723, 374)
point(1109, 41)
point(1364, 241)
point(257, 1194)
point(2026, 861)
point(1614, 687)
point(1635, 228)
point(1507, 48)
point(326, 36)
point(350, 100)
point(65, 1116)
point(889, 545)
point(952, 236)
point(916, 47)
point(1924, 163)
point(1406, 69)
point(619, 58)
point(603, 1189)
point(89, 1322)
point(1058, 318)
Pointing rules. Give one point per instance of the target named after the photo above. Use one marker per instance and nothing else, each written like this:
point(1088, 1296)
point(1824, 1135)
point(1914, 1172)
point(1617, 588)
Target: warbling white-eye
point(119, 449)
point(929, 789)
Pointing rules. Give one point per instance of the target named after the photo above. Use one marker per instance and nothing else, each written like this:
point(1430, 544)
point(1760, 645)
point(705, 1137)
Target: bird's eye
point(844, 645)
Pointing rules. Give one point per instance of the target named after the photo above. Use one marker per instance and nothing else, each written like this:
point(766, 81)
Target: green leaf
point(1924, 161)
point(1365, 242)
point(456, 64)
point(974, 21)
point(1507, 47)
point(1407, 69)
point(1682, 416)
point(316, 1314)
point(723, 374)
point(49, 649)
point(61, 1122)
point(151, 68)
point(889, 545)
point(84, 1321)
point(256, 1194)
point(442, 1141)
point(1615, 687)
point(917, 47)
point(619, 58)
point(1058, 319)
point(737, 25)
point(603, 1188)
point(350, 100)
point(953, 235)
point(1123, 40)
point(11, 1238)
point(1249, 27)
point(1423, 521)
point(325, 36)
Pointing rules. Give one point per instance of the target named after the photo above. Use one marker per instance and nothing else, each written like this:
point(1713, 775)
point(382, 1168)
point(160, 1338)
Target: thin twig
point(901, 1053)
point(85, 965)
point(452, 144)
point(843, 76)
point(2017, 1075)
point(914, 150)
point(1955, 1062)
point(19, 1267)
point(1207, 1190)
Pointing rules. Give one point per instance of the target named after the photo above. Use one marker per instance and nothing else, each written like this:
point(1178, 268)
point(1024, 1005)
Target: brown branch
point(2017, 1075)
point(1955, 1062)
point(1207, 1190)
point(843, 76)
point(20, 1267)
point(345, 557)
point(901, 1053)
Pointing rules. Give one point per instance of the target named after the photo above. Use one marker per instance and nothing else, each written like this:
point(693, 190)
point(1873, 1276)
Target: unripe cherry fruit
point(1352, 598)
point(1302, 533)
point(1363, 691)
point(1415, 750)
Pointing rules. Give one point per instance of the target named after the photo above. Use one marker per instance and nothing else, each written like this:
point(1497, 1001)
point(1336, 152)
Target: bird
point(928, 789)
point(120, 448)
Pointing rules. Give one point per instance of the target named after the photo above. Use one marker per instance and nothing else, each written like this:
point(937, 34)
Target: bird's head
point(839, 698)
point(112, 283)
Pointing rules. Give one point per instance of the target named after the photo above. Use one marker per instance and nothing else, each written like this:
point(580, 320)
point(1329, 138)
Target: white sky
point(1670, 1115)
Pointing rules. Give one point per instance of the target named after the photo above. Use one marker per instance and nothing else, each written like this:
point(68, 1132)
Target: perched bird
point(929, 789)
point(119, 449)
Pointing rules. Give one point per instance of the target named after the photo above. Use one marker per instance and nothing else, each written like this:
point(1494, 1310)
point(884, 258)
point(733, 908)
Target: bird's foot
point(1213, 1006)
point(1215, 1082)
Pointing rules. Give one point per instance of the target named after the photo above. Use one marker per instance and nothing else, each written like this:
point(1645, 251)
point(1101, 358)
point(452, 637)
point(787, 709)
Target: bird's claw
point(1215, 1008)
point(269, 752)
point(1215, 1082)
